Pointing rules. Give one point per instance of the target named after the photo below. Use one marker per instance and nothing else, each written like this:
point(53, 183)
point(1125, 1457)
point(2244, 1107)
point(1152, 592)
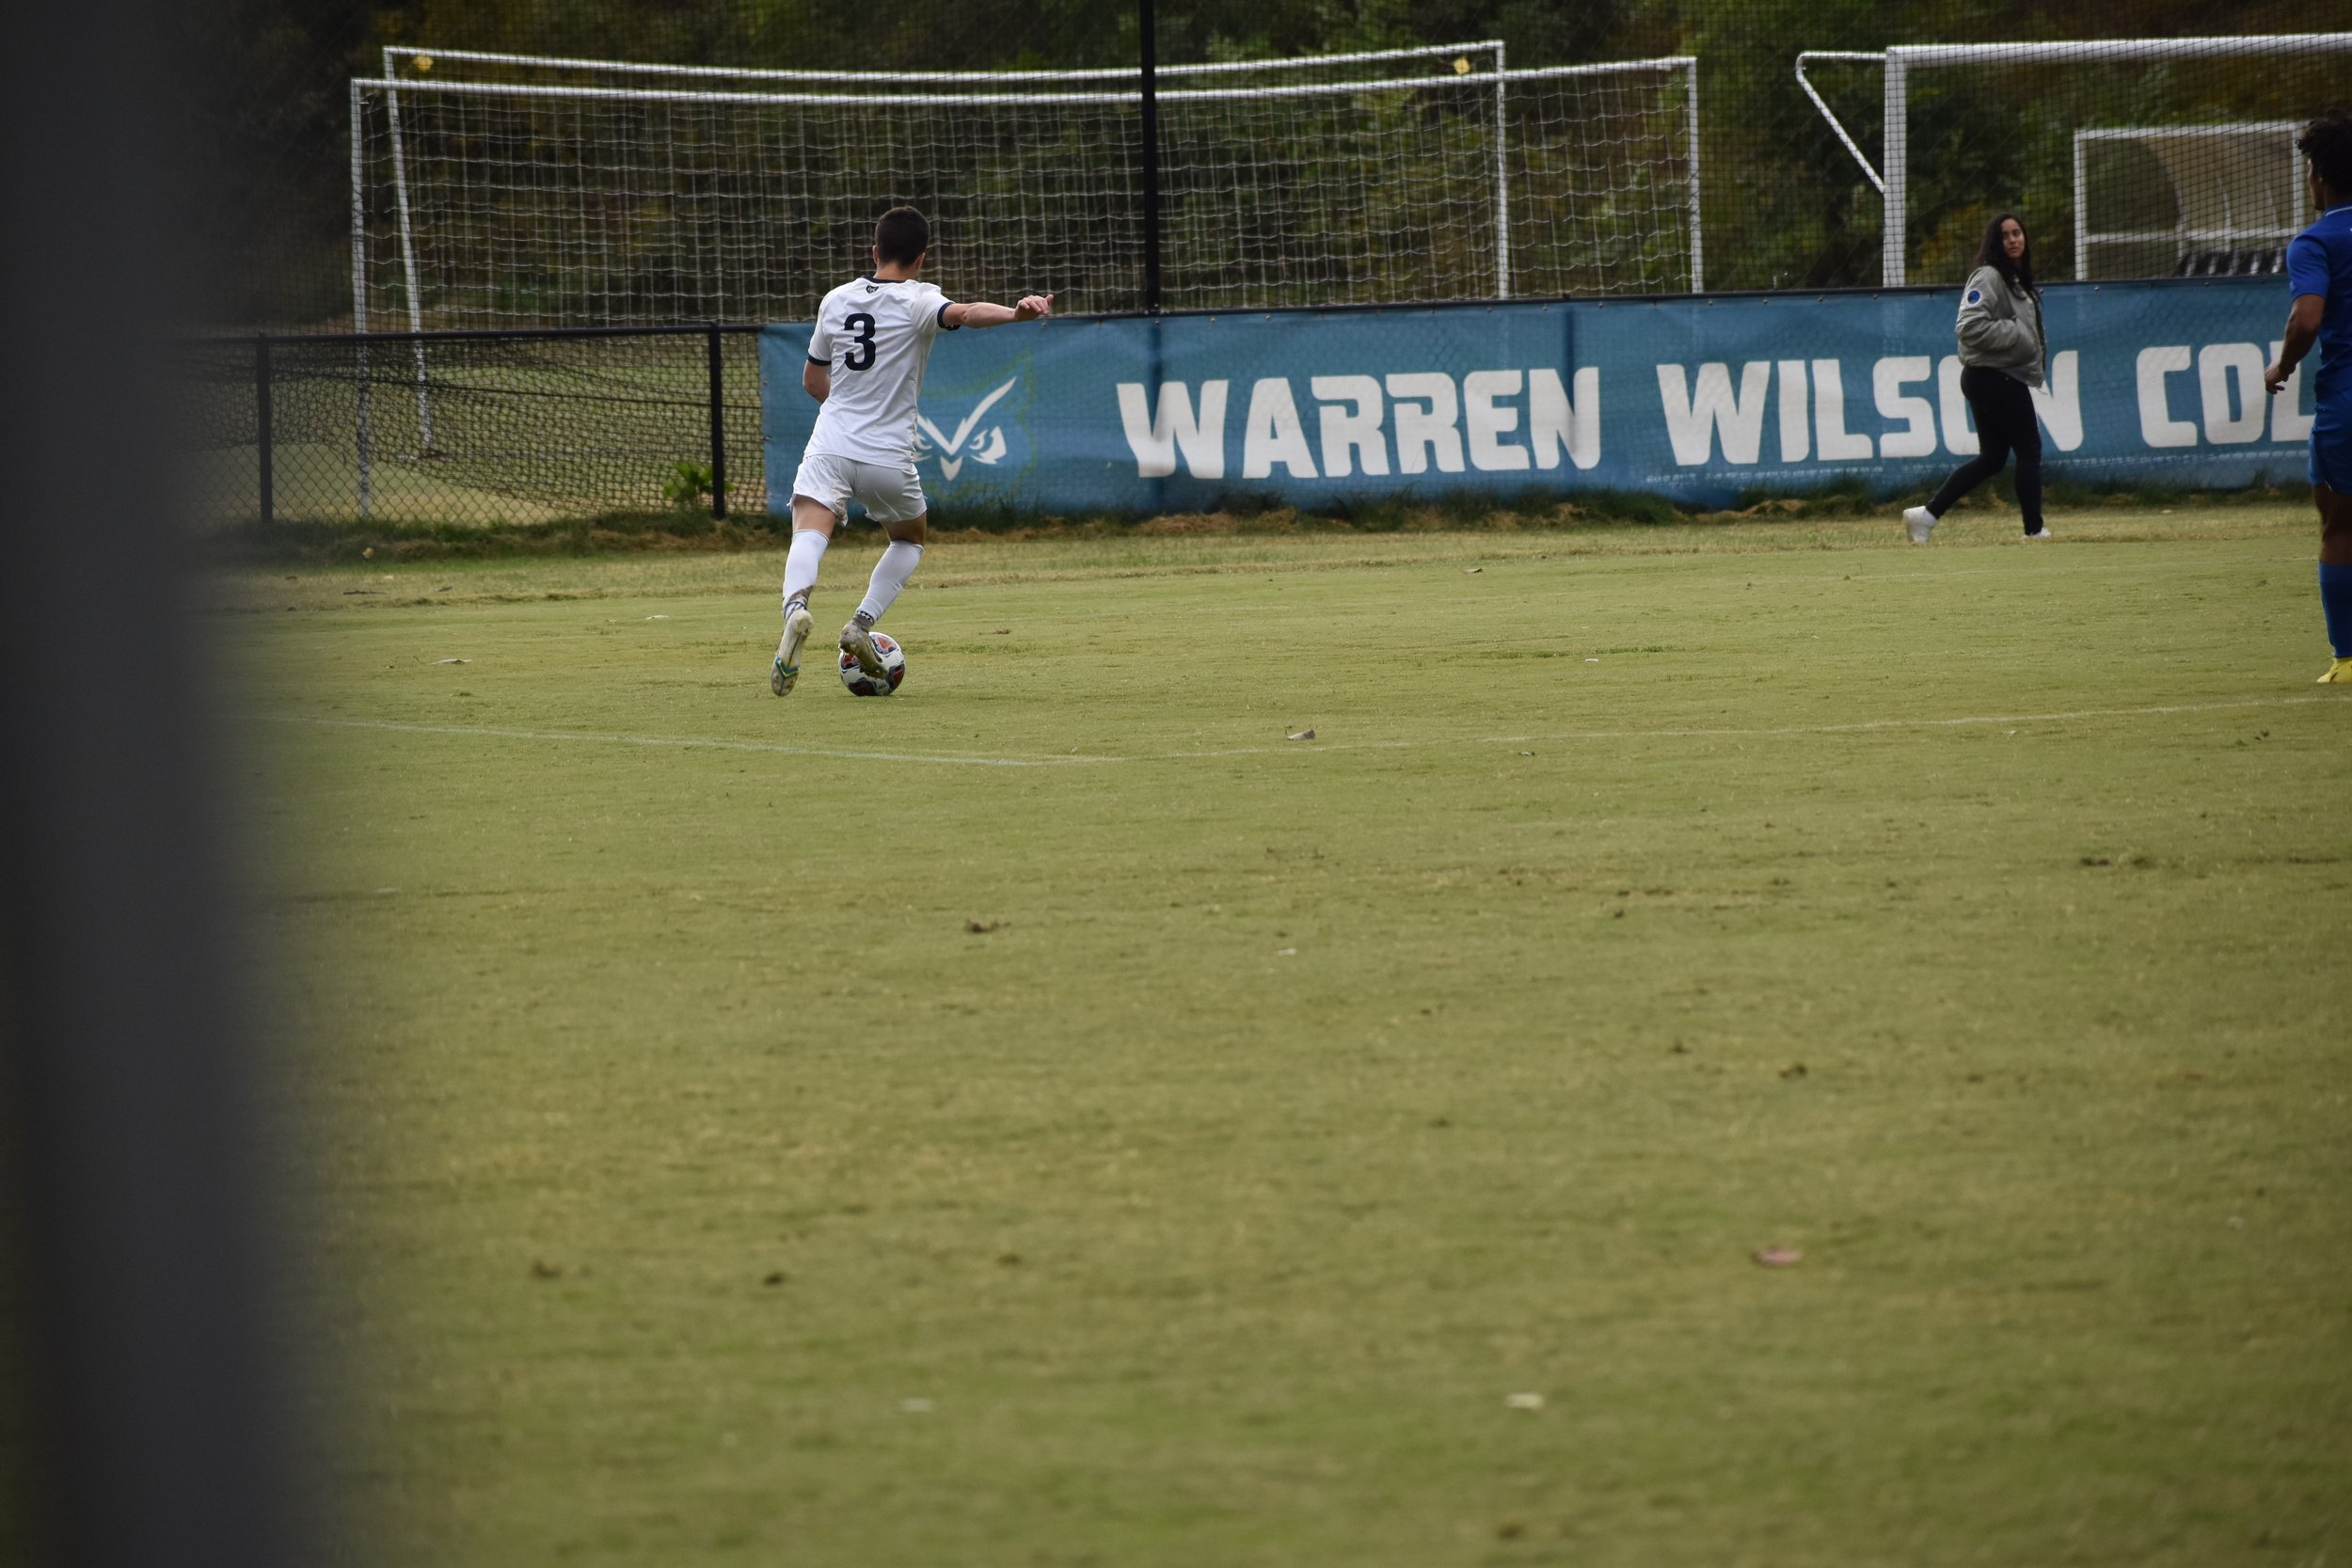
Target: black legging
point(2005, 423)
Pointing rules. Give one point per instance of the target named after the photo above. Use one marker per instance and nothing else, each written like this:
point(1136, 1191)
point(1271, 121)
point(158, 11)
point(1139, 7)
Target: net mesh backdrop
point(635, 194)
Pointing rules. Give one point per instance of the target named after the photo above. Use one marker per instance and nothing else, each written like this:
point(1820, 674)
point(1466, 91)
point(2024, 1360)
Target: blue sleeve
point(2307, 266)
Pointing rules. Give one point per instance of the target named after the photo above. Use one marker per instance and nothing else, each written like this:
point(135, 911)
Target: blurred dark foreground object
point(142, 1364)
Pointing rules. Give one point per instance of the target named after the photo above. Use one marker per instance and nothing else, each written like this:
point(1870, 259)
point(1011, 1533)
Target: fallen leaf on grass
point(452, 661)
point(774, 1279)
point(1794, 1069)
point(980, 929)
point(1286, 952)
point(1472, 570)
point(1779, 1256)
point(1302, 734)
point(545, 1270)
point(1523, 1402)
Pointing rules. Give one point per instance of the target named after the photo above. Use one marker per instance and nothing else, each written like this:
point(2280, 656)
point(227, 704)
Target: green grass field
point(1050, 1118)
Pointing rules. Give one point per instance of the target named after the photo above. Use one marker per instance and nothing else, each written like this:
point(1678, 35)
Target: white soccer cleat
point(858, 643)
point(2037, 536)
point(786, 669)
point(1921, 522)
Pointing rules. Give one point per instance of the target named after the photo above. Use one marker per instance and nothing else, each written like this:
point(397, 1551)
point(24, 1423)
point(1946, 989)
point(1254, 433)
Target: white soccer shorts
point(889, 495)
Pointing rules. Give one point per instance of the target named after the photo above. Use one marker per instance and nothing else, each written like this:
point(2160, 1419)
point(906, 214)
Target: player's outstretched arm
point(979, 313)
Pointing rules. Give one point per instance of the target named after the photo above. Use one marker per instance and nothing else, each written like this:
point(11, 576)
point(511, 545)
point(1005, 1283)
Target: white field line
point(691, 743)
point(1296, 747)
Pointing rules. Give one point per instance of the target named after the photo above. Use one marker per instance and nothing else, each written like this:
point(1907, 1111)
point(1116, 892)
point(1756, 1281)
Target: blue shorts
point(2332, 446)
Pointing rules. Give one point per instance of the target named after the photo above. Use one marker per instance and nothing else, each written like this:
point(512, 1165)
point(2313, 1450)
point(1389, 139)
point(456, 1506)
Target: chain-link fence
point(475, 426)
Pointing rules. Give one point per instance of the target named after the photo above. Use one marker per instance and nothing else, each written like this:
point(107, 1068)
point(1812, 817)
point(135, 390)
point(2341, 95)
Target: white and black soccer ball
point(894, 669)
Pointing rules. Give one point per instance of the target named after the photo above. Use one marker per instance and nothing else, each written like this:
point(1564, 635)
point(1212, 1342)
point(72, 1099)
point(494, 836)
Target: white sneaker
point(2038, 537)
point(858, 643)
point(1921, 522)
point(786, 669)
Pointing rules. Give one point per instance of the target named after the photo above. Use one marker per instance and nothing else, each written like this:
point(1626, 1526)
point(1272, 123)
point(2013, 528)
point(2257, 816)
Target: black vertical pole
point(718, 427)
point(1151, 157)
point(261, 426)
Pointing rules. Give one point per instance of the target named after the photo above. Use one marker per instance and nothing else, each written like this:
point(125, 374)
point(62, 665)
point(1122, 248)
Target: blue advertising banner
point(1700, 400)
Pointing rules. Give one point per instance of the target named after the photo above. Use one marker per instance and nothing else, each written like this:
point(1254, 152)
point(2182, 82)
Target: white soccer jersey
point(875, 334)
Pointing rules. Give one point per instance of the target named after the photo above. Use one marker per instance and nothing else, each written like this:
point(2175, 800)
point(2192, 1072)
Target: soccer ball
point(894, 669)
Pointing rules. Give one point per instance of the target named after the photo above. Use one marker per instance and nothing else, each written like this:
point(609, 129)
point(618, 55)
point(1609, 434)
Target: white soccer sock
point(801, 563)
point(890, 575)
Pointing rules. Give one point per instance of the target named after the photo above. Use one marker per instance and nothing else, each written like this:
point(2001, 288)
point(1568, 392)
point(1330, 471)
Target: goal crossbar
point(410, 88)
point(394, 53)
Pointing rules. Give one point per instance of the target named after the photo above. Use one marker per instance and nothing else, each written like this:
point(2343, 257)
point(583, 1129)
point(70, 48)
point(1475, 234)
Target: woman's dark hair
point(1993, 254)
point(2327, 143)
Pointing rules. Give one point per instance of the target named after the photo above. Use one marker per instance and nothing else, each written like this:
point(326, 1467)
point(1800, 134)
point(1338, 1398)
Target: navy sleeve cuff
point(813, 361)
point(943, 317)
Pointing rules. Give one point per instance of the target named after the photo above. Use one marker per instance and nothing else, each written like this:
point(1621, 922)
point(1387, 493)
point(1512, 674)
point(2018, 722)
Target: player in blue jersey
point(2319, 275)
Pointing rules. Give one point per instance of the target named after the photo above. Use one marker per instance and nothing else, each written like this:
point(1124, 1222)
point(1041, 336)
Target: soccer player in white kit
point(865, 369)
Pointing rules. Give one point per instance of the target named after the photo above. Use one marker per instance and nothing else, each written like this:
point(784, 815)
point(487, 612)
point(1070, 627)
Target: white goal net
point(2126, 157)
point(615, 195)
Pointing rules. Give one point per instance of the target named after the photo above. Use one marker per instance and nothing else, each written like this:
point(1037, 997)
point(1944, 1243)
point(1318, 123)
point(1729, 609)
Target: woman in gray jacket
point(2002, 350)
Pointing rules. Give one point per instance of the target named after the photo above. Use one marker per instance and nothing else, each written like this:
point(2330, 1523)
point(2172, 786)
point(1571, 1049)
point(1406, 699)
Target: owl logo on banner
point(978, 438)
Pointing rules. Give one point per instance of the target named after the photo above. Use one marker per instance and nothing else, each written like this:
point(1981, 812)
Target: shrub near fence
point(474, 426)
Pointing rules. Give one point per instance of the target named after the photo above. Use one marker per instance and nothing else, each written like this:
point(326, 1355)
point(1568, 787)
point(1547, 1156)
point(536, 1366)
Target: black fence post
point(261, 433)
point(718, 426)
point(1149, 26)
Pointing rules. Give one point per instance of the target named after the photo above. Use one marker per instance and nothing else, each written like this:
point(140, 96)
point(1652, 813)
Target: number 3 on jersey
point(861, 354)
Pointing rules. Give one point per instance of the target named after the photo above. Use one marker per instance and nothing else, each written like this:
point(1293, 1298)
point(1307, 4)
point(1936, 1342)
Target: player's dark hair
point(2327, 143)
point(902, 236)
point(1992, 253)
